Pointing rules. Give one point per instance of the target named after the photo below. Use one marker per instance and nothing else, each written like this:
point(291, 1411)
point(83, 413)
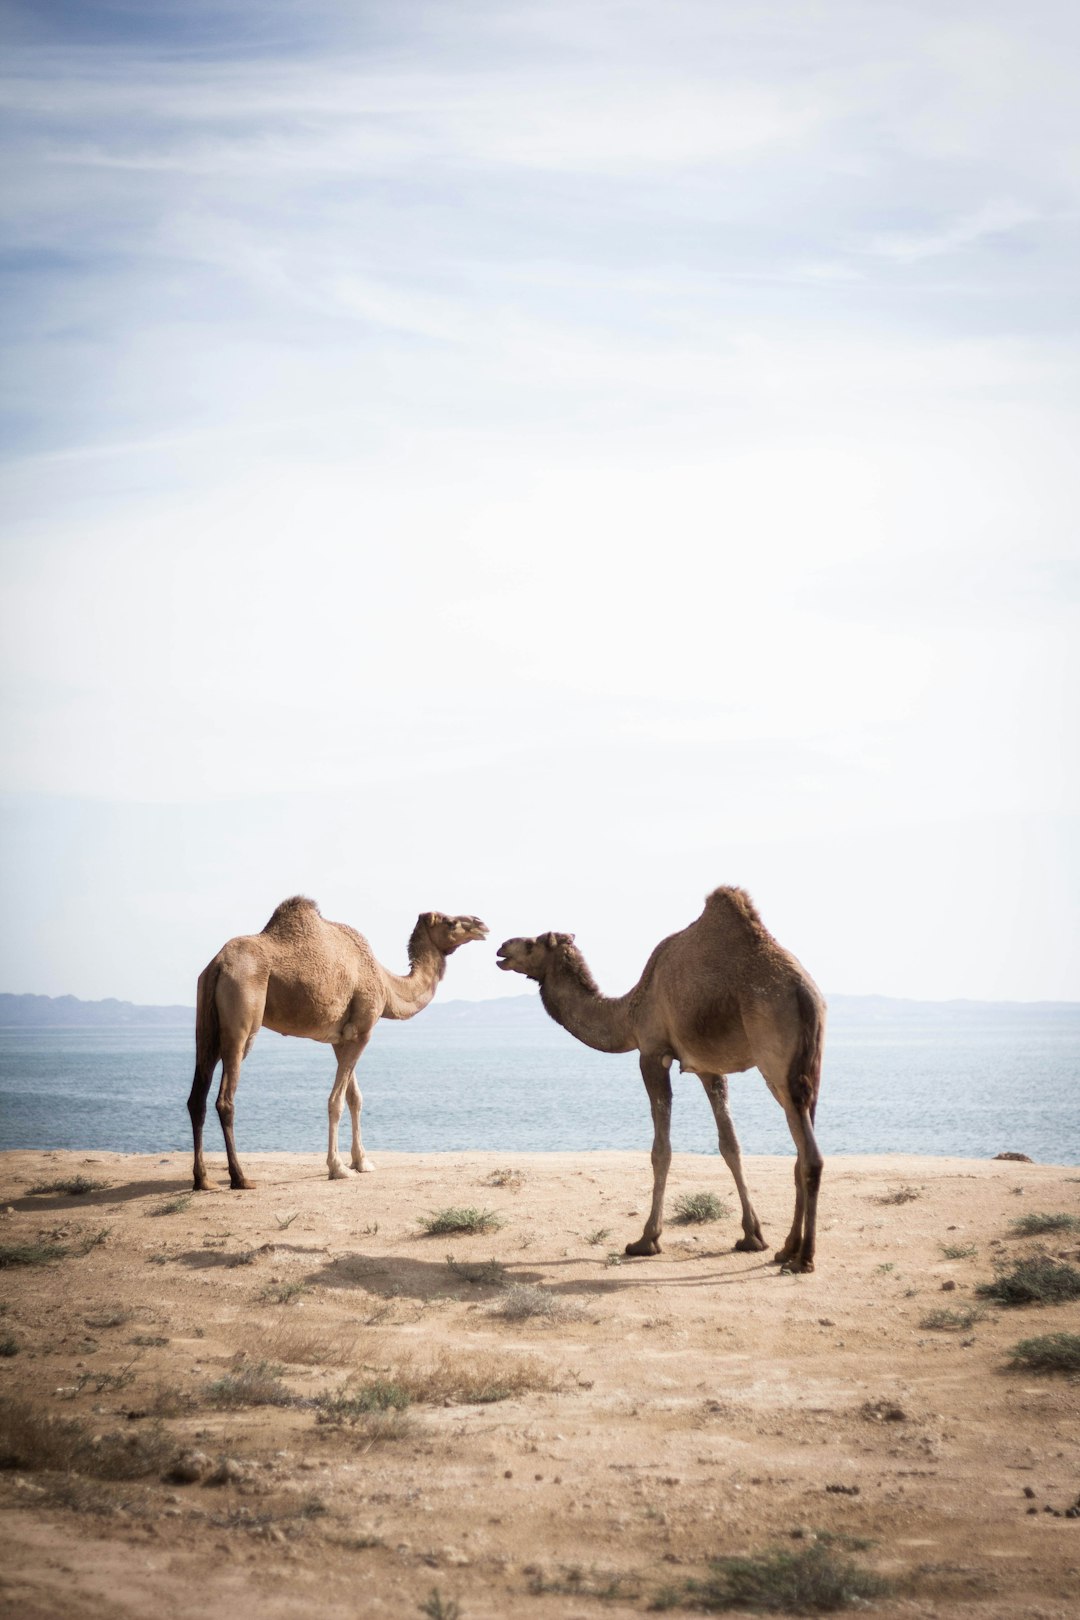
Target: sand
point(661, 1412)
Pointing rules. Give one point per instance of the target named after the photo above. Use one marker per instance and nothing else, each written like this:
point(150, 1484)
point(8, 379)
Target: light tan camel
point(720, 997)
point(305, 976)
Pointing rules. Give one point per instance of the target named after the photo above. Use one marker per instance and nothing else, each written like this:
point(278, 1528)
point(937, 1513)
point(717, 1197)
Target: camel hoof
point(243, 1185)
point(644, 1246)
point(338, 1172)
point(751, 1245)
point(201, 1186)
point(795, 1265)
point(364, 1168)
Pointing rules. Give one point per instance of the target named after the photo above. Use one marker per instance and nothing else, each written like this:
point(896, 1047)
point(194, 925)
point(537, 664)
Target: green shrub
point(1049, 1353)
point(1036, 1280)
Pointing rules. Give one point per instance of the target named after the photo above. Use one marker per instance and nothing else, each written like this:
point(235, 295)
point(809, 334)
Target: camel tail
point(207, 1028)
point(804, 1075)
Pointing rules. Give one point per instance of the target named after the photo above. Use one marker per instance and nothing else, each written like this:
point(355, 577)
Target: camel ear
point(550, 940)
point(432, 918)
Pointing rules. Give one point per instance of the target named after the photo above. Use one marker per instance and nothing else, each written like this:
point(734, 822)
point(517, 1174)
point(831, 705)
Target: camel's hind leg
point(797, 1253)
point(345, 1089)
point(200, 1089)
point(233, 1054)
point(240, 1001)
point(657, 1080)
point(716, 1089)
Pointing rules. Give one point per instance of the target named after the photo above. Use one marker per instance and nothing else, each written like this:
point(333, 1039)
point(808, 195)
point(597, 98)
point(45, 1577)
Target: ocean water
point(968, 1085)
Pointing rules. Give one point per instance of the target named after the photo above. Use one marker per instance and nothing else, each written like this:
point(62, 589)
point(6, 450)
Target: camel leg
point(233, 1054)
point(658, 1085)
point(200, 1088)
point(347, 1054)
point(797, 1253)
point(716, 1089)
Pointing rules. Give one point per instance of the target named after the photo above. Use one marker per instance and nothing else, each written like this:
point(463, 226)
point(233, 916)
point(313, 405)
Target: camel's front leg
point(716, 1089)
point(658, 1084)
point(346, 1089)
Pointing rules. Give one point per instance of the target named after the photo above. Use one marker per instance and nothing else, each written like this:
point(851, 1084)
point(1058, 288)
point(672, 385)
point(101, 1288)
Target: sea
point(965, 1079)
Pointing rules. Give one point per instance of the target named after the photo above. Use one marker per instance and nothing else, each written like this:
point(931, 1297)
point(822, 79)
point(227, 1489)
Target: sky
point(541, 460)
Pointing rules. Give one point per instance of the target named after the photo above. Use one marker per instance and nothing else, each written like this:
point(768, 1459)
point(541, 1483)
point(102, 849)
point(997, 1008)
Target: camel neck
point(410, 995)
point(602, 1022)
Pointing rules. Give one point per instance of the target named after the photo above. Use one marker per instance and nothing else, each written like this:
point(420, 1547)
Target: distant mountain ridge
point(57, 1012)
point(507, 1015)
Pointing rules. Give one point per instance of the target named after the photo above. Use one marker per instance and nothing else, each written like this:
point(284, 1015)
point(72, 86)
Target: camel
point(720, 996)
point(305, 976)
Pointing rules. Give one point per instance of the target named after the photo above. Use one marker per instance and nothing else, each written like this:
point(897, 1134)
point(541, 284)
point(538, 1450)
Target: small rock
point(227, 1472)
point(188, 1468)
point(1028, 1492)
point(948, 1285)
point(1018, 1158)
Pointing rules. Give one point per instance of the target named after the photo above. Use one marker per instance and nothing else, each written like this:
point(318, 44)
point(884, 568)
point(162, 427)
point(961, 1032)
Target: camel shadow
point(125, 1193)
point(205, 1259)
point(398, 1276)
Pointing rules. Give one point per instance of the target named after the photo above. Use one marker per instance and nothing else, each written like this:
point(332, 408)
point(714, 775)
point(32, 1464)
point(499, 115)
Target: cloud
point(994, 219)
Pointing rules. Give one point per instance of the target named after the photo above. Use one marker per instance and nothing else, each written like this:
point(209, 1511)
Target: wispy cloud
point(541, 403)
point(993, 219)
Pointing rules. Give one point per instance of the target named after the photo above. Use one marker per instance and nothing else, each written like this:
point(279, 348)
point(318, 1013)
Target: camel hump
point(735, 901)
point(292, 913)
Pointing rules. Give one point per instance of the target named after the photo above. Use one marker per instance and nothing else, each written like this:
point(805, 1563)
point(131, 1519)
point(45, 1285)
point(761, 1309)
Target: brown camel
point(305, 976)
point(720, 997)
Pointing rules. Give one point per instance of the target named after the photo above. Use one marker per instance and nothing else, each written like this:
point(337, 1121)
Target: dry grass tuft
point(899, 1195)
point(529, 1302)
point(33, 1440)
point(473, 1380)
point(31, 1254)
point(513, 1179)
point(694, 1209)
point(444, 1222)
point(1038, 1223)
point(813, 1580)
point(308, 1346)
point(484, 1273)
point(573, 1581)
point(72, 1187)
point(946, 1321)
point(256, 1383)
point(174, 1206)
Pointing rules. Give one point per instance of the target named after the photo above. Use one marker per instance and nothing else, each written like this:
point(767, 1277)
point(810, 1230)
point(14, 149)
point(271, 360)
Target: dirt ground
point(584, 1431)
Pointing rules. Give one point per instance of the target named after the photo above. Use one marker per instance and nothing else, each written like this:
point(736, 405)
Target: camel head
point(447, 933)
point(531, 956)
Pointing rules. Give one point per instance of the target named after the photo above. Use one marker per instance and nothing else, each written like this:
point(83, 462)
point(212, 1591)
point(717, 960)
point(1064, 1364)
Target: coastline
point(665, 1411)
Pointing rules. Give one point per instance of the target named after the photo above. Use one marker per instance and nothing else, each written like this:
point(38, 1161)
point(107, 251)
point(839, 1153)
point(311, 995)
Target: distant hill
point(58, 1012)
point(522, 1018)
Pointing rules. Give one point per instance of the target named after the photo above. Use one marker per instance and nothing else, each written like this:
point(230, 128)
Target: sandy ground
point(661, 1412)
